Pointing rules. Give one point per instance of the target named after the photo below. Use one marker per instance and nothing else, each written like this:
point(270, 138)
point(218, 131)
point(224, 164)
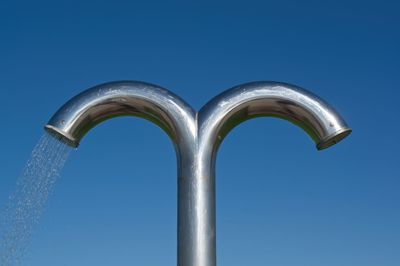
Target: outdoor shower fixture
point(196, 137)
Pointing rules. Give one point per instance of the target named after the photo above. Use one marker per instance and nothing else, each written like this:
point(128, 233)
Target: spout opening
point(62, 136)
point(333, 138)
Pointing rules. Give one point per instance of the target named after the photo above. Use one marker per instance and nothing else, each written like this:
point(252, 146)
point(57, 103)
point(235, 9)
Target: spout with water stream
point(196, 137)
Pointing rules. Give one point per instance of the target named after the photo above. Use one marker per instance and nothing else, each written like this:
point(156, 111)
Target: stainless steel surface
point(124, 98)
point(196, 137)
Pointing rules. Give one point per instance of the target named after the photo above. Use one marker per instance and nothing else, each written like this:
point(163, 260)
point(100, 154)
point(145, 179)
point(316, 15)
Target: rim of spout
point(334, 138)
point(62, 136)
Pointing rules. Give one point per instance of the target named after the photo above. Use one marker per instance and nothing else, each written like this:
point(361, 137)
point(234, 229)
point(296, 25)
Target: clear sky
point(279, 201)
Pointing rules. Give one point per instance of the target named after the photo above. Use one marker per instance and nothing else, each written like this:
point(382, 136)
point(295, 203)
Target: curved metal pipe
point(197, 137)
point(275, 99)
point(232, 107)
point(124, 98)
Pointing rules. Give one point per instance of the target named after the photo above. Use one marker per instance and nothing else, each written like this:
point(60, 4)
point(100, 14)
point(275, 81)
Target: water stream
point(25, 206)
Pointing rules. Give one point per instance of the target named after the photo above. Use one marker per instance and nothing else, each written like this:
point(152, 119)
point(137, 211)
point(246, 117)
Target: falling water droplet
point(26, 204)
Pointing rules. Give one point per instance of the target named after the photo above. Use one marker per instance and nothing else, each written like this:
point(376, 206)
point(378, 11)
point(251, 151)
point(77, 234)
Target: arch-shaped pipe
point(132, 98)
point(222, 113)
point(124, 98)
point(256, 99)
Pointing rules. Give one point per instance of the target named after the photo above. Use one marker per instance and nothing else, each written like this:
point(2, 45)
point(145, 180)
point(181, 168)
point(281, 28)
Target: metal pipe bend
point(256, 99)
point(124, 98)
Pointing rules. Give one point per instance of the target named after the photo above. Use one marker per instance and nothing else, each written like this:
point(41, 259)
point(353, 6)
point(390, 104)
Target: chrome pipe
point(196, 138)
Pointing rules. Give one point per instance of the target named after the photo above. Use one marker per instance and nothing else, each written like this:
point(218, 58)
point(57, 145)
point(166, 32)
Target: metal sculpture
point(196, 137)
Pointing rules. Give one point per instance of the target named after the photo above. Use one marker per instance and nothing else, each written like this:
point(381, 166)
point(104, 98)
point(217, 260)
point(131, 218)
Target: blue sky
point(279, 201)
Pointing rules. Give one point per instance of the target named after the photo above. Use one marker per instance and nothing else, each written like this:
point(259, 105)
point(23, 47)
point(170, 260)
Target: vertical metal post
point(196, 215)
